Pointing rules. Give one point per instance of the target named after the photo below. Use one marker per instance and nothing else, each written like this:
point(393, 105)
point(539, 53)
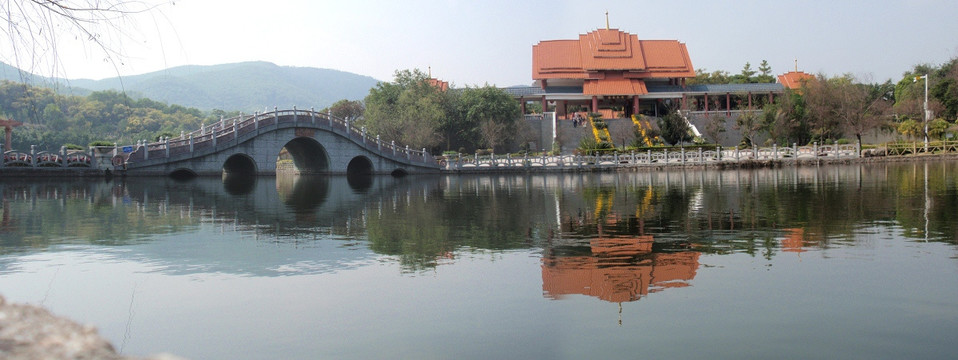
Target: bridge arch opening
point(359, 165)
point(239, 165)
point(303, 156)
point(399, 173)
point(183, 174)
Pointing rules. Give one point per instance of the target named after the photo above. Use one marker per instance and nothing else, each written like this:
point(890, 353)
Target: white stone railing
point(63, 158)
point(226, 132)
point(650, 158)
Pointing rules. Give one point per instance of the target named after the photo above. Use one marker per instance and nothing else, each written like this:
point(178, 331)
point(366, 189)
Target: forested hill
point(246, 86)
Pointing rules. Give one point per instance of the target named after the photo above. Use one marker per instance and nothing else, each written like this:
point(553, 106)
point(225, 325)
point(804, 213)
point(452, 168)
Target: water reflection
point(303, 193)
point(360, 182)
point(615, 269)
point(605, 225)
point(327, 268)
point(240, 184)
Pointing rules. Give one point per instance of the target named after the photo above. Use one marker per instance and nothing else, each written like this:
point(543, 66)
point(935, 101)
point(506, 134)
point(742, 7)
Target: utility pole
point(925, 108)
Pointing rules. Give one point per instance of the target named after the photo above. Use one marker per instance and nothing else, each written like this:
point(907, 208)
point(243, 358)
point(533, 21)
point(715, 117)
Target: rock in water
point(31, 332)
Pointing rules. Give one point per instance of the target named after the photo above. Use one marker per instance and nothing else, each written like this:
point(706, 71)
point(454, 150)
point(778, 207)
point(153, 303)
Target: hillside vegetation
point(247, 86)
point(51, 120)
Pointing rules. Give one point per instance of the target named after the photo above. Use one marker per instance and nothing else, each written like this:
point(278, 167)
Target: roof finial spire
point(796, 64)
point(430, 71)
point(607, 19)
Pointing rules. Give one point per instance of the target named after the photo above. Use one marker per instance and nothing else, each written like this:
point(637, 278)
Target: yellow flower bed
point(599, 133)
point(643, 130)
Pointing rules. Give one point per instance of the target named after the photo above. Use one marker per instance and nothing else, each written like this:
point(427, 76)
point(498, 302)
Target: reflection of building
point(794, 240)
point(618, 270)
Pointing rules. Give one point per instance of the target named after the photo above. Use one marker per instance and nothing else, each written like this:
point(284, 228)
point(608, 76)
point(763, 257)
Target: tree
point(488, 111)
point(910, 128)
point(749, 125)
point(35, 28)
point(861, 107)
point(745, 76)
point(823, 102)
point(408, 110)
point(945, 89)
point(765, 73)
point(674, 128)
point(52, 119)
point(937, 128)
point(702, 76)
point(715, 128)
point(343, 109)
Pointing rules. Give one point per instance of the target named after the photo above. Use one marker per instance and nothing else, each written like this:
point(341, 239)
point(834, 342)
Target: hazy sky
point(490, 41)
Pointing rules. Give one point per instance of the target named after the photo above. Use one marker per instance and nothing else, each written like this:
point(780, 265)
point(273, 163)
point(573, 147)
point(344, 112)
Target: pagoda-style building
point(608, 65)
point(615, 73)
point(794, 79)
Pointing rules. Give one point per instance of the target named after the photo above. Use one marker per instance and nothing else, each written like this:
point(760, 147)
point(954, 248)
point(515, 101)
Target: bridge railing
point(230, 129)
point(34, 158)
point(906, 148)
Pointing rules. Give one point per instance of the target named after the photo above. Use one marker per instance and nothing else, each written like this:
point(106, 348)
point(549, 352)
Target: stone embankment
point(29, 332)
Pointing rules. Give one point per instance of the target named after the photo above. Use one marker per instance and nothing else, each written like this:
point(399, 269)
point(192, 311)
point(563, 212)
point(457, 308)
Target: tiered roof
point(610, 61)
point(794, 79)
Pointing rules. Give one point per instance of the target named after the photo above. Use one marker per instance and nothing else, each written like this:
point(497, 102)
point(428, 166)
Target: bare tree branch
point(35, 29)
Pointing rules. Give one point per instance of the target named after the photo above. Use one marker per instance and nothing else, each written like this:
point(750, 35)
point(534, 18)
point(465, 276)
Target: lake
point(838, 261)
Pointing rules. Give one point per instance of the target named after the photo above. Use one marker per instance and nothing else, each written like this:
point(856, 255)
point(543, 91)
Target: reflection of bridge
point(318, 144)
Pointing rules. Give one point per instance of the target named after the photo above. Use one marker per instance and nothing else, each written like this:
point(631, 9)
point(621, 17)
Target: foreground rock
point(30, 332)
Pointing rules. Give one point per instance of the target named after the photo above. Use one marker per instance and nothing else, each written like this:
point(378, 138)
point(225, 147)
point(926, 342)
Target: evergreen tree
point(765, 73)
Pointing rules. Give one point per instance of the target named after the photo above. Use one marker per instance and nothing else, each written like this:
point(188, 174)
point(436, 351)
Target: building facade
point(616, 74)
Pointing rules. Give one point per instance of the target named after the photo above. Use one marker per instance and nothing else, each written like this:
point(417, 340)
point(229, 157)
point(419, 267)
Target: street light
point(925, 108)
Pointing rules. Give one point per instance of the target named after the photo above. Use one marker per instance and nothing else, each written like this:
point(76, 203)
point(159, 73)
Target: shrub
point(589, 146)
point(102, 143)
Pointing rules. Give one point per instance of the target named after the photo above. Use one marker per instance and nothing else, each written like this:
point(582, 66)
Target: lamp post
point(925, 108)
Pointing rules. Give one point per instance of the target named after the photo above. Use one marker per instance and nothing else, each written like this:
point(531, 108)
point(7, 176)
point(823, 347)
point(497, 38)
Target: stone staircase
point(621, 130)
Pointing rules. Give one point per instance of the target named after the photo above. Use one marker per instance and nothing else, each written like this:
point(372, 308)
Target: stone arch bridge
point(317, 143)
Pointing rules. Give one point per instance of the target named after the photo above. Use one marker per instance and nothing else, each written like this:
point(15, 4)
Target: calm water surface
point(852, 261)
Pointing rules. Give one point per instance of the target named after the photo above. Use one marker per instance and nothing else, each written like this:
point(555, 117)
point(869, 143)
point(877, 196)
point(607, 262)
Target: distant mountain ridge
point(246, 86)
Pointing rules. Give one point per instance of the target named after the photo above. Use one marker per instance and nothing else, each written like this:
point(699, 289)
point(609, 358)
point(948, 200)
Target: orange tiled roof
point(794, 79)
point(614, 85)
point(442, 85)
point(607, 50)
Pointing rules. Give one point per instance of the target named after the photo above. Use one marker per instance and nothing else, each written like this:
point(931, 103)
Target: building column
point(522, 105)
point(7, 132)
point(706, 104)
point(749, 99)
point(565, 109)
point(771, 97)
point(545, 105)
point(635, 105)
point(595, 103)
point(685, 105)
point(728, 104)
